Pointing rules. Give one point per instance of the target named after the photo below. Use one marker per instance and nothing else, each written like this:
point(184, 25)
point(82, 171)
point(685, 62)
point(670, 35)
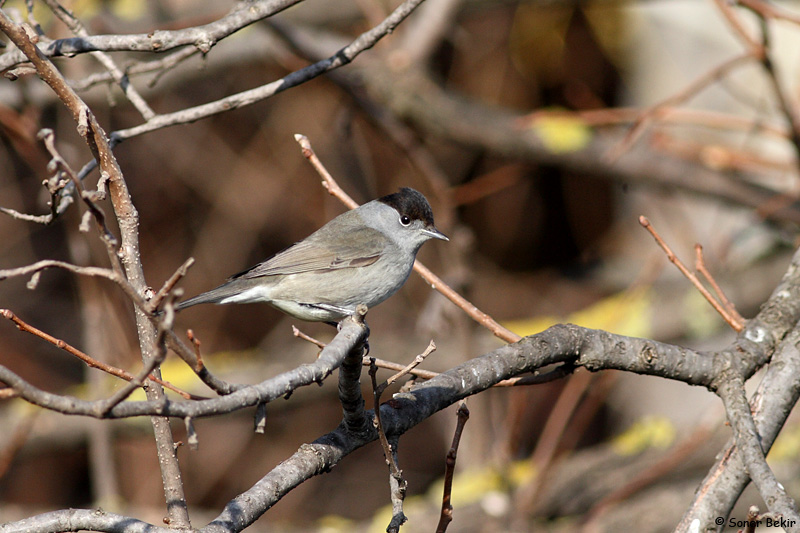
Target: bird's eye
point(405, 220)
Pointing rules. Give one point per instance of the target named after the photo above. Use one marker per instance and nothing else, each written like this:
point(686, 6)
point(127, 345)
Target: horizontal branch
point(52, 263)
point(595, 350)
point(92, 271)
point(363, 42)
point(79, 520)
point(91, 362)
point(202, 37)
point(352, 334)
point(572, 344)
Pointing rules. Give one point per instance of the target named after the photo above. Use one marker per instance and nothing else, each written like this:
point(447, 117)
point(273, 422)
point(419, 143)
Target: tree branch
point(203, 37)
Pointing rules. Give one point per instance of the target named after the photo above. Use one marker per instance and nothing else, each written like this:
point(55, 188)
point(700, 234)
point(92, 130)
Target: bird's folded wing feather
point(364, 246)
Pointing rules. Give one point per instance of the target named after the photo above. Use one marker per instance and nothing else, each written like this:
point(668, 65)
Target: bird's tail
point(213, 296)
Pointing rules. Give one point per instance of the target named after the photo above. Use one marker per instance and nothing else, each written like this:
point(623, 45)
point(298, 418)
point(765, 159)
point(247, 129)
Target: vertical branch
point(397, 484)
point(450, 467)
point(397, 491)
point(128, 219)
point(750, 449)
point(355, 418)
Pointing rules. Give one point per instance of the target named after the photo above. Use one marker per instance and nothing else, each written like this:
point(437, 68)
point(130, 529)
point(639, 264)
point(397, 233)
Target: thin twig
point(151, 364)
point(397, 491)
point(738, 28)
point(450, 466)
point(396, 481)
point(341, 58)
point(7, 393)
point(193, 358)
point(200, 38)
point(161, 65)
point(47, 136)
point(90, 361)
point(99, 272)
point(752, 519)
point(559, 372)
point(27, 217)
point(377, 390)
point(433, 280)
point(170, 284)
point(196, 345)
point(731, 320)
point(300, 335)
point(700, 266)
point(129, 254)
point(411, 366)
point(520, 381)
point(389, 365)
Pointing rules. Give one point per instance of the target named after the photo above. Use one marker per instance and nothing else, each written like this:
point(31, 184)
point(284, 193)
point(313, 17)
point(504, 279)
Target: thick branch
point(775, 398)
point(129, 254)
point(752, 454)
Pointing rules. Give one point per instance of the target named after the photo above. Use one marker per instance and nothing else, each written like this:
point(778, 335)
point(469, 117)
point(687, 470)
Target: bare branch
point(203, 38)
point(411, 366)
point(161, 66)
point(731, 391)
point(354, 417)
point(700, 266)
point(173, 280)
point(344, 56)
point(90, 361)
point(735, 321)
point(450, 467)
point(299, 334)
point(397, 483)
point(351, 334)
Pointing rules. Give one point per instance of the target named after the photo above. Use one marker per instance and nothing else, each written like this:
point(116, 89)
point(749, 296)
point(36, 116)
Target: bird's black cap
point(411, 203)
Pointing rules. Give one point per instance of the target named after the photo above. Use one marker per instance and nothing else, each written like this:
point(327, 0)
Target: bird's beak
point(435, 233)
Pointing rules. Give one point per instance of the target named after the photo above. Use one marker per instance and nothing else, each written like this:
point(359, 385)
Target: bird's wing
point(364, 246)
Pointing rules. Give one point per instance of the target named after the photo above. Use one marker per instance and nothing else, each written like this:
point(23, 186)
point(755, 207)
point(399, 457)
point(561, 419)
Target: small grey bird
point(360, 257)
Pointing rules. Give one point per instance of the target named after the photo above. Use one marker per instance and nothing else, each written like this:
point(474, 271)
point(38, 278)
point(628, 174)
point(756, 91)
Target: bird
point(362, 256)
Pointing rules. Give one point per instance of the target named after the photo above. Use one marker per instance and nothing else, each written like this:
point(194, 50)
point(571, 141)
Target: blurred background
point(523, 123)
